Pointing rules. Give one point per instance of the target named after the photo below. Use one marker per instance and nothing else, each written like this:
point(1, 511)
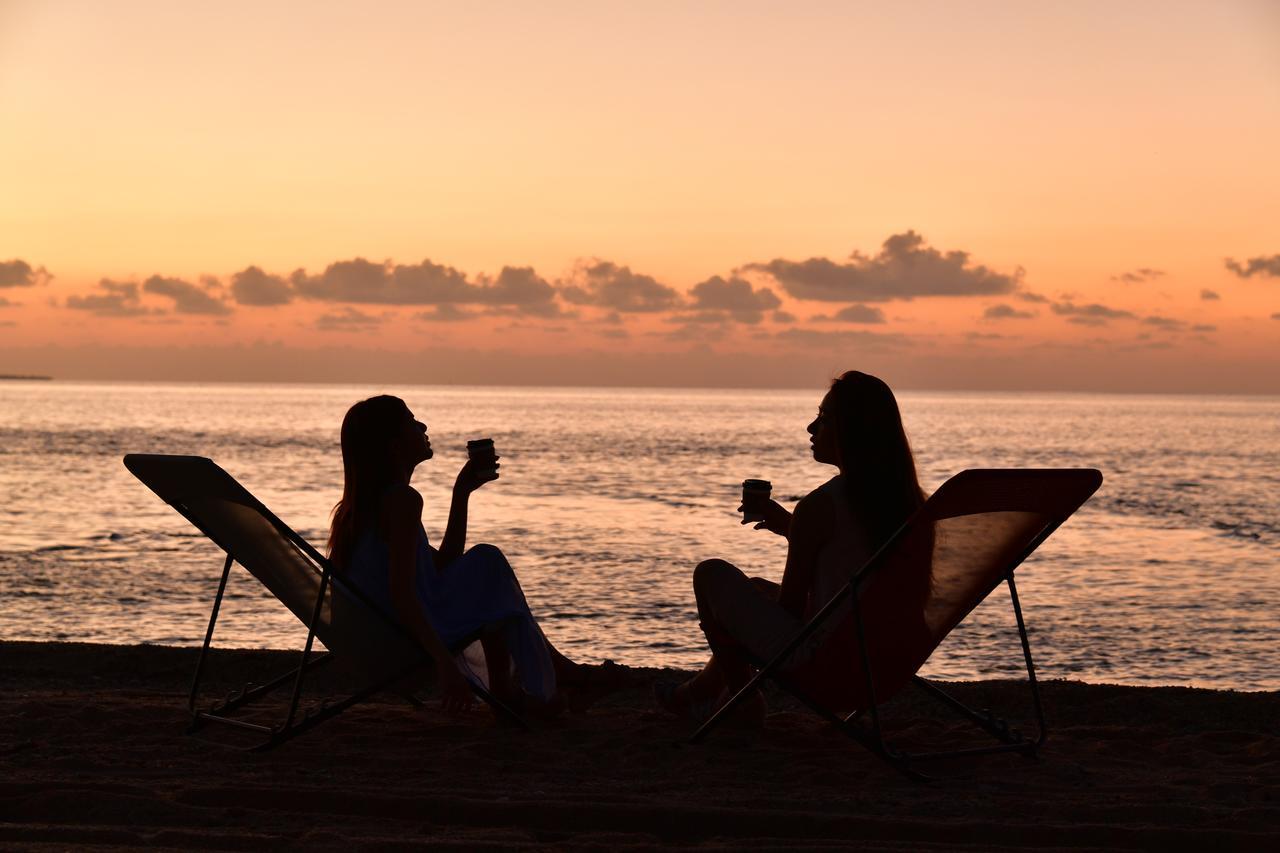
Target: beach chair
point(348, 624)
point(965, 541)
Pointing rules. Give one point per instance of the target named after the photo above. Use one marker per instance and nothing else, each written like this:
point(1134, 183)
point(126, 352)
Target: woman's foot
point(530, 707)
point(682, 700)
point(590, 684)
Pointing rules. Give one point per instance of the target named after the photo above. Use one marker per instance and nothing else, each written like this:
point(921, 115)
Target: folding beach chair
point(344, 619)
point(902, 603)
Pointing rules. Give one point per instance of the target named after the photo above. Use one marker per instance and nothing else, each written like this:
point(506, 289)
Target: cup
point(481, 452)
point(755, 494)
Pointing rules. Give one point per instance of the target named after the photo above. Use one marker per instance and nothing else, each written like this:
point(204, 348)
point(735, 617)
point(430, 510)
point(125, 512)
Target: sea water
point(609, 497)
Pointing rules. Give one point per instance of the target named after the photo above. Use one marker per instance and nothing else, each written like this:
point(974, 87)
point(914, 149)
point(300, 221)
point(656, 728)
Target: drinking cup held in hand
point(755, 496)
point(482, 454)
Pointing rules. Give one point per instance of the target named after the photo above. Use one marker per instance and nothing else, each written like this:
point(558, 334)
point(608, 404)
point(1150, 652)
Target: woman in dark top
point(834, 530)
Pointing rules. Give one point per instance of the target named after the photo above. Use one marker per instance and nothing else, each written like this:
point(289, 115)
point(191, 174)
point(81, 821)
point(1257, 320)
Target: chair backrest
point(283, 561)
point(960, 545)
point(984, 523)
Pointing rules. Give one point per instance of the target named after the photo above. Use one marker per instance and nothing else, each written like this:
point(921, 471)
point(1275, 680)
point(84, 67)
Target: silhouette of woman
point(834, 529)
point(378, 543)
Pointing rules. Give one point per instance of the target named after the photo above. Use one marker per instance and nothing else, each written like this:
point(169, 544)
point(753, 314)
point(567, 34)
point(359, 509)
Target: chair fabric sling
point(897, 608)
point(344, 620)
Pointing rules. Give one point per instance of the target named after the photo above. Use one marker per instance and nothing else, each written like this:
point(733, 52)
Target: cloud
point(814, 338)
point(853, 314)
point(702, 318)
point(17, 273)
point(187, 297)
point(522, 288)
point(1028, 296)
point(903, 269)
point(783, 317)
point(1137, 276)
point(734, 297)
point(1209, 295)
point(1163, 323)
point(6, 303)
point(447, 313)
point(1261, 265)
point(699, 331)
point(252, 286)
point(1090, 315)
point(1204, 327)
point(118, 299)
point(1006, 312)
point(348, 320)
point(1276, 316)
point(363, 282)
point(607, 285)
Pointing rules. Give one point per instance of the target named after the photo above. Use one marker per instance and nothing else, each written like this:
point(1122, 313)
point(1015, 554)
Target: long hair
point(875, 456)
point(367, 470)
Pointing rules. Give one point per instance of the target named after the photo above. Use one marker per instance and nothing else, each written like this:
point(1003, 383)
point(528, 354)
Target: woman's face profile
point(412, 442)
point(822, 435)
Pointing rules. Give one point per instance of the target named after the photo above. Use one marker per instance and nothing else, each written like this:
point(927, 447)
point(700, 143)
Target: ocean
point(610, 497)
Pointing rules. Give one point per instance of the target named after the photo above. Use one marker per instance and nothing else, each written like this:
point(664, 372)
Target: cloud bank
point(1138, 276)
point(187, 298)
point(19, 273)
point(115, 299)
point(734, 298)
point(606, 285)
point(904, 268)
point(1006, 312)
point(252, 286)
point(1261, 266)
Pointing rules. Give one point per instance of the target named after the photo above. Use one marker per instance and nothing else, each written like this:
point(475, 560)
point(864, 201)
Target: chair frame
point(293, 725)
point(871, 736)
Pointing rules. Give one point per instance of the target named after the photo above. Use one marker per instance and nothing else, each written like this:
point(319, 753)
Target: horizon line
point(900, 388)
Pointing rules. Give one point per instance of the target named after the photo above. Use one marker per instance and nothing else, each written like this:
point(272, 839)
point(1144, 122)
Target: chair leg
point(872, 737)
point(1012, 740)
point(1043, 733)
point(251, 692)
point(208, 637)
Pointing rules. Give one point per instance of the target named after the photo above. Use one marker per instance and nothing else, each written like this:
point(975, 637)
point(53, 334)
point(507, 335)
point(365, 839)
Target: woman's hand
point(473, 475)
point(457, 695)
point(776, 518)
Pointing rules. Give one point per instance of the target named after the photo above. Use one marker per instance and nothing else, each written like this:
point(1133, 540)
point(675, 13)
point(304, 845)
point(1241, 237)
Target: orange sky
point(1101, 159)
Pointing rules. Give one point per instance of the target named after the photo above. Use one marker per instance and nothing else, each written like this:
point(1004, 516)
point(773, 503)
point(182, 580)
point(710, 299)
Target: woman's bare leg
point(497, 659)
point(725, 673)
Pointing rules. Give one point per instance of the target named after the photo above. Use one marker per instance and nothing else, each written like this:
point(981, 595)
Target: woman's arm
point(403, 512)
point(810, 528)
point(454, 541)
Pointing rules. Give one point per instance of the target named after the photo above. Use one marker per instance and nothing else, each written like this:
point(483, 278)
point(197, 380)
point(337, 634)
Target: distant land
point(26, 378)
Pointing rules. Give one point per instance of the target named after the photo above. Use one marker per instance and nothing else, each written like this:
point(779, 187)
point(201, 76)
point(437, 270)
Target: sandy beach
point(93, 755)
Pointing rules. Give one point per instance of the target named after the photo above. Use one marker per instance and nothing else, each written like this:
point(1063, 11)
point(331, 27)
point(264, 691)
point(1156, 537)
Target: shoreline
point(93, 751)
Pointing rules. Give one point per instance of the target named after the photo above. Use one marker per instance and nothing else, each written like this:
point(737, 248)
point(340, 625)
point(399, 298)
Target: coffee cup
point(481, 452)
point(755, 495)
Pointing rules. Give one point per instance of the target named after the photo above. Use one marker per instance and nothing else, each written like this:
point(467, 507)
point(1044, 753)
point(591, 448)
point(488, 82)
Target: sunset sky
point(1080, 196)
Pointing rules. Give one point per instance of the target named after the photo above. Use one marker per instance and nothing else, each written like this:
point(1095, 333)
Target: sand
point(93, 755)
